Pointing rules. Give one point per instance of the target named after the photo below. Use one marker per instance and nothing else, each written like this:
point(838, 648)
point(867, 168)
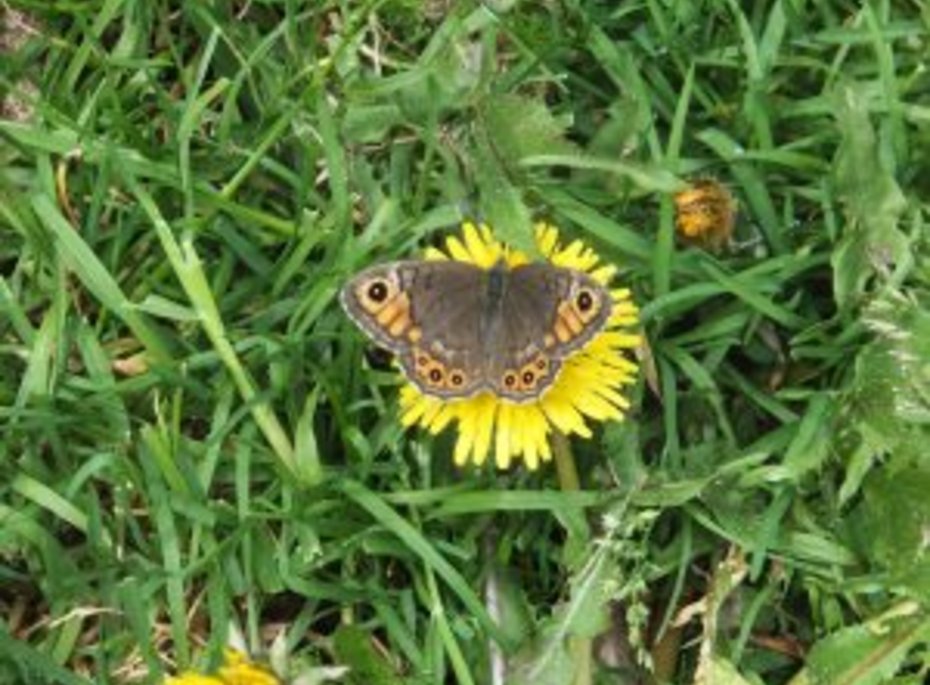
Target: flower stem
point(579, 647)
point(565, 463)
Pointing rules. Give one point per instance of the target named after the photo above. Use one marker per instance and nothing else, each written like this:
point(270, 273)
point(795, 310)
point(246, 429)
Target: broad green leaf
point(895, 372)
point(888, 407)
point(511, 129)
point(502, 205)
point(553, 657)
point(866, 654)
point(519, 127)
point(370, 123)
point(871, 242)
point(505, 594)
point(895, 518)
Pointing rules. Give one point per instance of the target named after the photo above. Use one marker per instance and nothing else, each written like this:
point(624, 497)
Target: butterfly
point(458, 330)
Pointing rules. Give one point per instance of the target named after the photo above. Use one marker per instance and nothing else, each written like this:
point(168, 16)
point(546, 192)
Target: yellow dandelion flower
point(237, 669)
point(705, 214)
point(588, 386)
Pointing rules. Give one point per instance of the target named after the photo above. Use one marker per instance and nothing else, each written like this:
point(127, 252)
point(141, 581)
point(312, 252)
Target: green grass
point(191, 434)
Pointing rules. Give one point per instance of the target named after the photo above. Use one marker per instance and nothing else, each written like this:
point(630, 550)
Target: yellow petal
point(603, 275)
point(432, 254)
point(518, 426)
point(441, 419)
point(481, 252)
point(608, 341)
point(611, 395)
point(547, 238)
point(535, 431)
point(415, 411)
point(558, 408)
point(466, 439)
point(585, 374)
point(247, 674)
point(515, 258)
point(193, 679)
point(433, 408)
point(545, 451)
point(486, 406)
point(457, 251)
point(409, 395)
point(505, 435)
point(576, 257)
point(590, 404)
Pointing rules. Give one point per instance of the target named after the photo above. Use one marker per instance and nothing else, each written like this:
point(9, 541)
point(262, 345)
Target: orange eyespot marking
point(378, 290)
point(430, 371)
point(456, 378)
point(375, 294)
point(398, 306)
point(533, 372)
point(538, 367)
point(586, 305)
point(415, 334)
point(510, 380)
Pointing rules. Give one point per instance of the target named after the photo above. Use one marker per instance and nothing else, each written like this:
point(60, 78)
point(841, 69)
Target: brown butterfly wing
point(427, 313)
point(547, 314)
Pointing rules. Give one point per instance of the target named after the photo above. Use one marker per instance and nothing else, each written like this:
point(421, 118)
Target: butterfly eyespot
point(377, 291)
point(422, 360)
point(528, 377)
point(510, 380)
point(541, 364)
point(584, 301)
point(435, 375)
point(456, 378)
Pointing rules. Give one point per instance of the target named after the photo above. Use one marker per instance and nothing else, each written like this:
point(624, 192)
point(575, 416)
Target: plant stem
point(579, 647)
point(565, 463)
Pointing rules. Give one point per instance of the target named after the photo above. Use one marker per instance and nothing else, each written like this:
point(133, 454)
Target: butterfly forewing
point(547, 313)
point(427, 317)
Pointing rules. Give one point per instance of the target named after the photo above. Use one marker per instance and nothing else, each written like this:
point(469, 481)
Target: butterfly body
point(459, 330)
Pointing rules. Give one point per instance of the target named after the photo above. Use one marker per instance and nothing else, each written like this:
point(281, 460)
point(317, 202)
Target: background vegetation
point(194, 437)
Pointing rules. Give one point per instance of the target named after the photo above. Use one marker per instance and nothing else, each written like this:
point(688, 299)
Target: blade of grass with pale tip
point(189, 271)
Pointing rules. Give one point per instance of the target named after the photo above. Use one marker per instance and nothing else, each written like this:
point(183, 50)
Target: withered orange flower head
point(705, 214)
